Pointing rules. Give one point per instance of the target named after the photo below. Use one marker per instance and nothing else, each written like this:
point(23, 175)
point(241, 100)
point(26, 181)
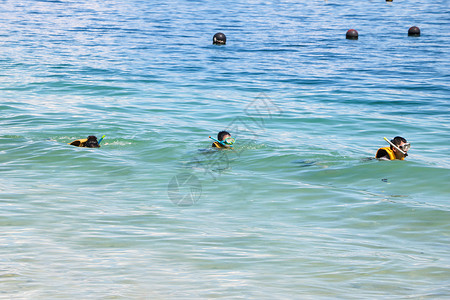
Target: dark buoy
point(414, 31)
point(388, 0)
point(352, 34)
point(219, 39)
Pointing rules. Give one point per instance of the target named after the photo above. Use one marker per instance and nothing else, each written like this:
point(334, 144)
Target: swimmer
point(398, 149)
point(90, 142)
point(224, 140)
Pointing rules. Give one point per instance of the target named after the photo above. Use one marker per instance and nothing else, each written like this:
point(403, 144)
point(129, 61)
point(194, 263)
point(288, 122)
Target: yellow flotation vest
point(78, 143)
point(218, 145)
point(389, 152)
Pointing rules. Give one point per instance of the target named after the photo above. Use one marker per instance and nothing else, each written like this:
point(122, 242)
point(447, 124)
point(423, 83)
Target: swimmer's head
point(401, 143)
point(223, 135)
point(225, 138)
point(92, 142)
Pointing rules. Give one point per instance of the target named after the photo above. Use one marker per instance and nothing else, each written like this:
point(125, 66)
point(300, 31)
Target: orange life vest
point(218, 145)
point(79, 143)
point(389, 151)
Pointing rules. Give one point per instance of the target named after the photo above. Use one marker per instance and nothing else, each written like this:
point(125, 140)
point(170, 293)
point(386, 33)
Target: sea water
point(297, 210)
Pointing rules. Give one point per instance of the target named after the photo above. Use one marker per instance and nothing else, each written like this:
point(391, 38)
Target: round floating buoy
point(414, 31)
point(352, 34)
point(219, 39)
point(388, 0)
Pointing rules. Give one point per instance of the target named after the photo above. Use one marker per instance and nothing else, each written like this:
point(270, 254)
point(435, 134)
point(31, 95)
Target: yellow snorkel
point(101, 139)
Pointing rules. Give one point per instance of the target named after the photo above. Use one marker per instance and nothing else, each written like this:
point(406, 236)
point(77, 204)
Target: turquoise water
point(296, 211)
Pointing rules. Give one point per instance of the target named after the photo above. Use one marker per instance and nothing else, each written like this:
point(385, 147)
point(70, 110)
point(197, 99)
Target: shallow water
point(297, 210)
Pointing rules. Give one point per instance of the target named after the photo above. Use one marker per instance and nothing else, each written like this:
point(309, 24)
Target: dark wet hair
point(221, 134)
point(91, 142)
point(398, 140)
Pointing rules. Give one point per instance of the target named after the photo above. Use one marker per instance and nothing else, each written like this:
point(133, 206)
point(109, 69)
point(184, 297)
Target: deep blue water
point(297, 210)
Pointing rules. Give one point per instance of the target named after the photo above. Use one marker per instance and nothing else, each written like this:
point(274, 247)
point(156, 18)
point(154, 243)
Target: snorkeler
point(90, 142)
point(398, 149)
point(224, 140)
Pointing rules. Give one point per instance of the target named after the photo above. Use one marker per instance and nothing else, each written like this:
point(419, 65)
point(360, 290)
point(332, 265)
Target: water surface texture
point(297, 210)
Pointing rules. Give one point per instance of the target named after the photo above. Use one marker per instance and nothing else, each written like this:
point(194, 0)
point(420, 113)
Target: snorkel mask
point(402, 148)
point(405, 147)
point(228, 142)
